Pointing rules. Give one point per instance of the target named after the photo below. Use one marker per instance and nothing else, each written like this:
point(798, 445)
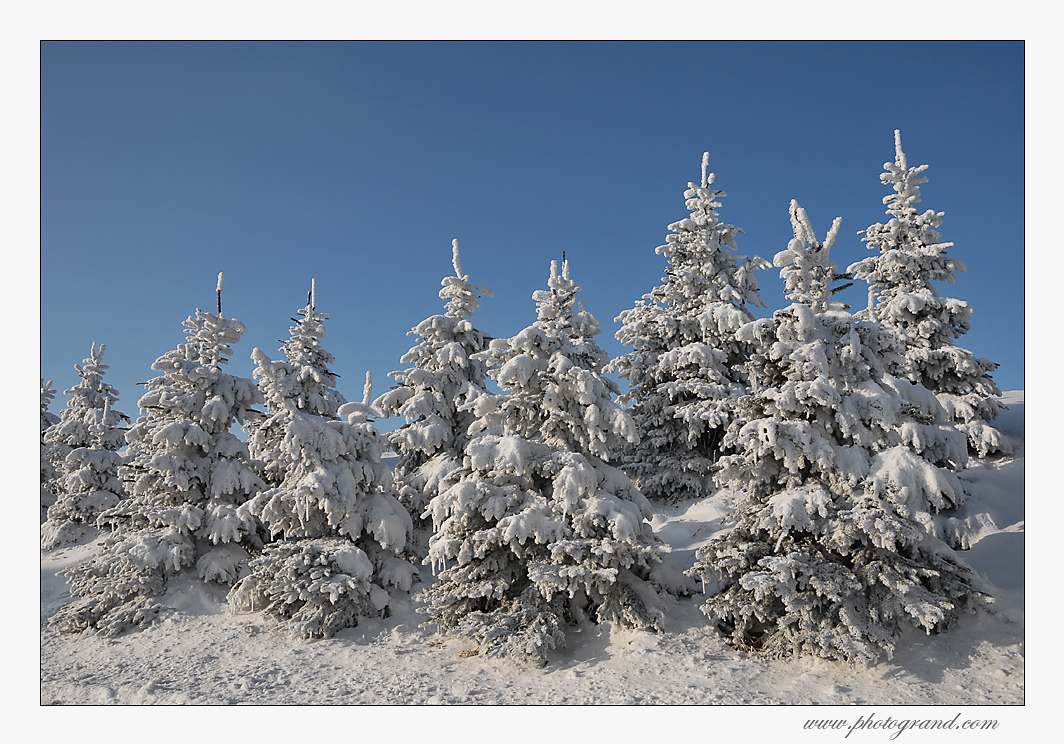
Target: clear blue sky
point(163, 164)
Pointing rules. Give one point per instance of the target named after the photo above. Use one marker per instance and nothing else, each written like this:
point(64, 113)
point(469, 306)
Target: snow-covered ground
point(201, 654)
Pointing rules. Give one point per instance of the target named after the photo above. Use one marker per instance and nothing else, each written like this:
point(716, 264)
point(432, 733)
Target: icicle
point(221, 281)
point(899, 156)
point(703, 584)
point(454, 258)
point(705, 169)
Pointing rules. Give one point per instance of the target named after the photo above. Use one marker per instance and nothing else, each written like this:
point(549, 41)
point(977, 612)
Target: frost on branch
point(686, 367)
point(431, 396)
point(186, 475)
point(903, 298)
point(90, 433)
point(338, 532)
point(841, 469)
point(534, 529)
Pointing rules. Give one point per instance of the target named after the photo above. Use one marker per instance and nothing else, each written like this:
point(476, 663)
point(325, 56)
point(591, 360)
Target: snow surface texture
point(200, 654)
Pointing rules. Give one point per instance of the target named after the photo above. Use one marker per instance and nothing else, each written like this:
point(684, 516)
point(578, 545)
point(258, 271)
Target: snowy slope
point(200, 654)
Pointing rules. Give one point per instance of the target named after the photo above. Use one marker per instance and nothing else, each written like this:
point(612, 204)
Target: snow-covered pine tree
point(49, 474)
point(339, 532)
point(686, 367)
point(430, 395)
point(536, 528)
point(833, 549)
point(186, 474)
point(304, 380)
point(901, 296)
point(92, 432)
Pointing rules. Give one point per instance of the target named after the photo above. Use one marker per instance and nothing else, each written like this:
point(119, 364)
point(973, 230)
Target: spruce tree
point(841, 471)
point(49, 474)
point(902, 297)
point(186, 474)
point(92, 432)
point(444, 373)
point(338, 531)
point(536, 529)
point(686, 367)
point(303, 381)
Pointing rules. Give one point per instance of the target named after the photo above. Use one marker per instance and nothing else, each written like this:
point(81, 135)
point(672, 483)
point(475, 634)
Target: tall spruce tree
point(187, 475)
point(536, 529)
point(338, 531)
point(841, 470)
point(902, 297)
point(303, 382)
point(91, 432)
point(445, 372)
point(49, 474)
point(686, 367)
